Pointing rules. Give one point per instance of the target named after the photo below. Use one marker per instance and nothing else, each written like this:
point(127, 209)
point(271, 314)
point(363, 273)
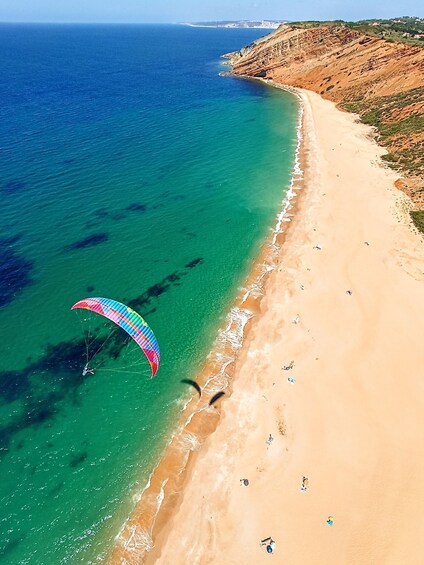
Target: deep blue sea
point(129, 169)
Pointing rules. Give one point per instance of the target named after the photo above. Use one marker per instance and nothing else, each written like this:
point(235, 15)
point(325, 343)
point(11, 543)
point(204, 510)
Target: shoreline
point(154, 507)
point(354, 417)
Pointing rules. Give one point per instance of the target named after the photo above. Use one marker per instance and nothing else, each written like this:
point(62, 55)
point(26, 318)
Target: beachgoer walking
point(305, 483)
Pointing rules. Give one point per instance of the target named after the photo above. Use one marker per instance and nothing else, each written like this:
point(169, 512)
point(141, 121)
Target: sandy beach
point(345, 305)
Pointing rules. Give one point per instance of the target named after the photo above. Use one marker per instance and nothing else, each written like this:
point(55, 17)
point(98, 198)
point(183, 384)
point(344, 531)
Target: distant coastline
point(239, 24)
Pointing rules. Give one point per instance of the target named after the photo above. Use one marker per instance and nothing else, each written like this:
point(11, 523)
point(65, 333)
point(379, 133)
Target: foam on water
point(218, 372)
point(141, 175)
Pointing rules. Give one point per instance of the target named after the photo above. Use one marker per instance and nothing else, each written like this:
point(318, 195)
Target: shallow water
point(128, 169)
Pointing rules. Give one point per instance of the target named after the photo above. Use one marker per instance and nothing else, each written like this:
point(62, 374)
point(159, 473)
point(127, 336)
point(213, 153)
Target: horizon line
point(87, 23)
point(47, 22)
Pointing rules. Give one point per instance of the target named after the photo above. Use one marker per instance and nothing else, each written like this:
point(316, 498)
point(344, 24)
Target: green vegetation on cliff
point(380, 112)
point(405, 29)
point(362, 67)
point(418, 219)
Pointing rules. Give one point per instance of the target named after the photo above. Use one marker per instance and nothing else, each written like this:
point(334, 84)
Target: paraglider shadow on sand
point(193, 384)
point(216, 397)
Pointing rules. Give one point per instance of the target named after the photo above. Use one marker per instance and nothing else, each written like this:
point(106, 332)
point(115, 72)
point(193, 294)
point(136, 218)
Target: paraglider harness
point(87, 370)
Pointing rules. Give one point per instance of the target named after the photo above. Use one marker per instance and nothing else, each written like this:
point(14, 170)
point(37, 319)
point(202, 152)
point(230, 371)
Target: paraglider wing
point(216, 397)
point(128, 320)
point(194, 384)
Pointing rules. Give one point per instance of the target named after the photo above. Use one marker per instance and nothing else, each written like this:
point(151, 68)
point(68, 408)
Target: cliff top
point(405, 29)
point(378, 77)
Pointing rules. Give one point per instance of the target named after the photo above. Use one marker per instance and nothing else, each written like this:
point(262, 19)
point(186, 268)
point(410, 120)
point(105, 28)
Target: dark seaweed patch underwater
point(89, 241)
point(86, 94)
point(15, 271)
point(57, 375)
point(14, 186)
point(136, 207)
point(115, 215)
point(78, 458)
point(9, 545)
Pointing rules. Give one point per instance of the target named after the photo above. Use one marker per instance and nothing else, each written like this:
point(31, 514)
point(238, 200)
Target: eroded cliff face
point(381, 81)
point(339, 63)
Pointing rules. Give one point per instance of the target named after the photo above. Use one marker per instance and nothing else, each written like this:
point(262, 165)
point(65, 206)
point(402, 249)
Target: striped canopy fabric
point(128, 320)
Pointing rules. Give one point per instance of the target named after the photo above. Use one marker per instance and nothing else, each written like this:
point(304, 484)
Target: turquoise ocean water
point(128, 169)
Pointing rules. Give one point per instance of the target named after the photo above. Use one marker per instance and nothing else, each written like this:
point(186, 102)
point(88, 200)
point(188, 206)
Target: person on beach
point(269, 543)
point(270, 548)
point(270, 439)
point(330, 521)
point(305, 483)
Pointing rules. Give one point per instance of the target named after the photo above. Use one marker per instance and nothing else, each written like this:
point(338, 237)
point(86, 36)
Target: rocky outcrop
point(382, 81)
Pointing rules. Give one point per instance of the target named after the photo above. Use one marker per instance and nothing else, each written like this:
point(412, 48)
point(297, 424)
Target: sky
point(174, 11)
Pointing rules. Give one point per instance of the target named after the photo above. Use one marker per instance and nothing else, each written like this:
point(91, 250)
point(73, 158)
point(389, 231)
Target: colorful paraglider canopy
point(128, 320)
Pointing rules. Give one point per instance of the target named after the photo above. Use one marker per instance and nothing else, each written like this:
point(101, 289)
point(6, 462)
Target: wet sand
point(352, 422)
